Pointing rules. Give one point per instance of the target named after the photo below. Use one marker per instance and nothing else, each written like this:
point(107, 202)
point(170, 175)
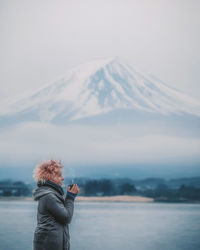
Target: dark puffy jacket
point(53, 216)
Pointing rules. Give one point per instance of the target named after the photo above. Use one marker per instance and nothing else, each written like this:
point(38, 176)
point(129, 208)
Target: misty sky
point(119, 144)
point(41, 40)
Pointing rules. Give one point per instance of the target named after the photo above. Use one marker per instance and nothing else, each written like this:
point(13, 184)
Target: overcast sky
point(41, 40)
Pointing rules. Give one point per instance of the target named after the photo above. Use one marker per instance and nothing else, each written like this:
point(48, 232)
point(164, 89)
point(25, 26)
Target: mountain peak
point(100, 86)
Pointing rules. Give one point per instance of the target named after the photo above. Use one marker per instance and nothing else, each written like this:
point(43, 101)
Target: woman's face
point(60, 178)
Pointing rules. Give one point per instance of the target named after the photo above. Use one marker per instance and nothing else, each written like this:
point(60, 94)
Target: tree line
point(109, 187)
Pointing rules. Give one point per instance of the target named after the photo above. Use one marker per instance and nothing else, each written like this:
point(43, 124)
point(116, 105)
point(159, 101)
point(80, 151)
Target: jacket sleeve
point(61, 212)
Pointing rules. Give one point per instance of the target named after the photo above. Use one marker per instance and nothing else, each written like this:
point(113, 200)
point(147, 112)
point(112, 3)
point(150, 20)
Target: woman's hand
point(74, 189)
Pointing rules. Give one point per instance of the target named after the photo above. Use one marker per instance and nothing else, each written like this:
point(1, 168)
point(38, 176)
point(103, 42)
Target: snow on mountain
point(98, 87)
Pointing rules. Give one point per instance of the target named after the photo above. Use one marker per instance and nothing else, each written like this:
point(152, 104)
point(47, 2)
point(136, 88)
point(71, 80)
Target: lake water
point(109, 226)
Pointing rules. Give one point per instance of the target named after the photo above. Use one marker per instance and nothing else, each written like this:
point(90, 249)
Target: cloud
point(29, 143)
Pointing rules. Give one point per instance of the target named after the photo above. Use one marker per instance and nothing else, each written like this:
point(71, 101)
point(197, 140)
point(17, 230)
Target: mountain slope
point(98, 87)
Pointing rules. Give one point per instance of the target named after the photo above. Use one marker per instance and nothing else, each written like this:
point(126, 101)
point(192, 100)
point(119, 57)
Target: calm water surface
point(112, 226)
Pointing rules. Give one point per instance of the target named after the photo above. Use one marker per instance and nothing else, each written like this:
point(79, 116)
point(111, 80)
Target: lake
point(109, 226)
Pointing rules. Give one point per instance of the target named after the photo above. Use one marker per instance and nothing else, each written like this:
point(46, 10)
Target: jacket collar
point(52, 185)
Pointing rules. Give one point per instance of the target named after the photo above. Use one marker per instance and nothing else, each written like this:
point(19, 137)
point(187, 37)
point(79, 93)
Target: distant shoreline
point(117, 198)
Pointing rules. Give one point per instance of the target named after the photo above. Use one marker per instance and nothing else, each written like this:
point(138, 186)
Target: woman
point(54, 211)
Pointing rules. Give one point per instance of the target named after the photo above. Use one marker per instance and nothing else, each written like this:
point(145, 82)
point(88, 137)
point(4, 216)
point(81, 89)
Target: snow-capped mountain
point(98, 87)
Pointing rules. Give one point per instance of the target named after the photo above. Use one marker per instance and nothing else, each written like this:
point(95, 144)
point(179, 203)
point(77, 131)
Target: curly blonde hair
point(47, 170)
